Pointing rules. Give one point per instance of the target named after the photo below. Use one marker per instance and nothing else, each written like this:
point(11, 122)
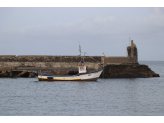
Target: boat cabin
point(82, 69)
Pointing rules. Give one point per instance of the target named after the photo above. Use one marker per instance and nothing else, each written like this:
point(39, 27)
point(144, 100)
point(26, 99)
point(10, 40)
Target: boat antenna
point(84, 55)
point(80, 48)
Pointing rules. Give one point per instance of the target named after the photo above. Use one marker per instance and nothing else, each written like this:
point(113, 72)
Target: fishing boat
point(82, 76)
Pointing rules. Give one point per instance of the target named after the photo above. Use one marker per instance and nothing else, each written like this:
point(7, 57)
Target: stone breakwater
point(114, 67)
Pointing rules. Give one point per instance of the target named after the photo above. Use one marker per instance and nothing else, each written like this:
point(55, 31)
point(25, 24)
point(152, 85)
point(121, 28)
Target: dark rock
point(5, 74)
point(128, 71)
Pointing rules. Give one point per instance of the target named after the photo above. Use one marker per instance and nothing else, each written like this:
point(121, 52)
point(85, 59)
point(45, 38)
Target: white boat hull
point(82, 77)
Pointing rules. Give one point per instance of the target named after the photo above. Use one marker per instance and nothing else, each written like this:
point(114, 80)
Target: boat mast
point(80, 48)
point(81, 52)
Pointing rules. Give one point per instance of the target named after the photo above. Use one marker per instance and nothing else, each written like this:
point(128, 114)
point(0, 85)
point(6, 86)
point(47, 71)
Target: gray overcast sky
point(58, 31)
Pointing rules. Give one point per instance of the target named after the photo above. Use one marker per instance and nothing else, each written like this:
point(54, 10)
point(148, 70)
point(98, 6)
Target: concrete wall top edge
point(116, 57)
point(47, 56)
point(7, 55)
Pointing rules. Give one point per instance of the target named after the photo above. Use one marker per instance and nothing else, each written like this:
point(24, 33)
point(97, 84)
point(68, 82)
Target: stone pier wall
point(13, 62)
point(8, 63)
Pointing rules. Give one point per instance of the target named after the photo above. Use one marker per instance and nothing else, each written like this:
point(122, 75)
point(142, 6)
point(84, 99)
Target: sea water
point(106, 97)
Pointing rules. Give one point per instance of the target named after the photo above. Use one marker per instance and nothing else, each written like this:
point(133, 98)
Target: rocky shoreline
point(128, 71)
